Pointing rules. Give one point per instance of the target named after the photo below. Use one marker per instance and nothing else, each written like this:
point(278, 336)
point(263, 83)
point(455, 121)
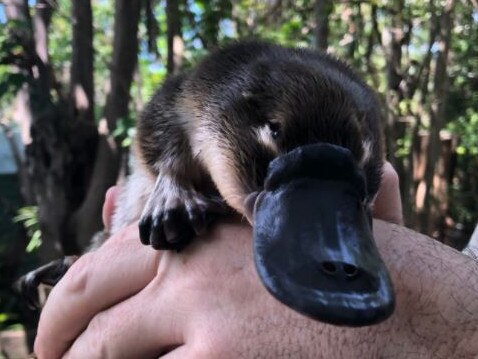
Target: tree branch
point(323, 8)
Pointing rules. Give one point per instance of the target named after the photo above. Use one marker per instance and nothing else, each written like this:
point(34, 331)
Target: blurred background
point(75, 74)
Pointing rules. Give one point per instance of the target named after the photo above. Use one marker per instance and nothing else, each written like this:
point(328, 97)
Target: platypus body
point(215, 130)
point(288, 138)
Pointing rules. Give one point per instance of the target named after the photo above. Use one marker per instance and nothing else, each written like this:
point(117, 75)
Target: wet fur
point(204, 133)
point(206, 137)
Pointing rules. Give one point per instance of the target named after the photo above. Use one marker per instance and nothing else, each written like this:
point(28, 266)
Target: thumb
point(109, 206)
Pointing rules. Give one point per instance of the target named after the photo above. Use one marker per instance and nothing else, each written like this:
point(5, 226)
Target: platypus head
point(289, 105)
point(313, 242)
point(300, 155)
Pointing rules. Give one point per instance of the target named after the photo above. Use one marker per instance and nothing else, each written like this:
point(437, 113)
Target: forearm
point(437, 301)
point(207, 301)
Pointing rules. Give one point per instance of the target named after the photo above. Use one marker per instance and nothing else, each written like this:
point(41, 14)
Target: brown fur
point(209, 132)
point(206, 138)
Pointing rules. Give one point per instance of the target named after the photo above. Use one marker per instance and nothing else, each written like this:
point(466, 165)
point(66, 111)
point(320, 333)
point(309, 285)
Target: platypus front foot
point(172, 218)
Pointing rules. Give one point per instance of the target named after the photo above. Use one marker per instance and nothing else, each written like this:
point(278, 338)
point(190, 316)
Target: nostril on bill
point(344, 270)
point(350, 270)
point(329, 268)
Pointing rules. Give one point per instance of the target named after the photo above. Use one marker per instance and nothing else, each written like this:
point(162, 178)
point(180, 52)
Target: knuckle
point(76, 279)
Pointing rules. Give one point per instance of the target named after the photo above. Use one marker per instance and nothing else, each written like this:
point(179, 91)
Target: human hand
point(126, 272)
point(388, 203)
point(126, 300)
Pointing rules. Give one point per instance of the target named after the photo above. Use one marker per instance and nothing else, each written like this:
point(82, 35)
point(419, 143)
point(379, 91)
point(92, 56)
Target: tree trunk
point(417, 155)
point(152, 27)
point(83, 142)
point(175, 42)
point(323, 8)
point(372, 38)
point(391, 38)
point(81, 73)
point(17, 10)
point(437, 109)
point(87, 220)
point(44, 176)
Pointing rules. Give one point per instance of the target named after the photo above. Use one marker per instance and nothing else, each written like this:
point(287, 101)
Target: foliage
point(359, 32)
point(28, 217)
point(10, 53)
point(393, 44)
point(125, 130)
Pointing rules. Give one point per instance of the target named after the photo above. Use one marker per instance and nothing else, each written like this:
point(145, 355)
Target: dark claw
point(198, 220)
point(156, 235)
point(175, 227)
point(172, 229)
point(172, 225)
point(28, 286)
point(178, 228)
point(145, 230)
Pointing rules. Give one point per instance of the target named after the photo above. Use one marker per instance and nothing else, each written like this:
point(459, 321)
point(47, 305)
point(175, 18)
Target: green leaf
point(35, 242)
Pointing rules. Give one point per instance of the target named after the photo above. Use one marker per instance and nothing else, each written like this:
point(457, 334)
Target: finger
point(109, 206)
point(388, 203)
point(127, 330)
point(98, 280)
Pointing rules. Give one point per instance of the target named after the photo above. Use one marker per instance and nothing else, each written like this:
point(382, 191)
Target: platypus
point(291, 140)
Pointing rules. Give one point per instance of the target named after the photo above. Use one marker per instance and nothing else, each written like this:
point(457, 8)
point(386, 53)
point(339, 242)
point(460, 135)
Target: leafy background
point(420, 56)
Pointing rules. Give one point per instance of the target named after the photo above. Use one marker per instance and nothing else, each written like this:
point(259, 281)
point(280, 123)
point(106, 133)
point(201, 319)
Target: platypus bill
point(313, 244)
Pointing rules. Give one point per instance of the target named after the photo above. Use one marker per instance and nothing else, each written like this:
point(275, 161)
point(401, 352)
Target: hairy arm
point(126, 300)
point(207, 302)
point(437, 291)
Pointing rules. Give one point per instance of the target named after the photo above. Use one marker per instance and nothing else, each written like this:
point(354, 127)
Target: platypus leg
point(176, 213)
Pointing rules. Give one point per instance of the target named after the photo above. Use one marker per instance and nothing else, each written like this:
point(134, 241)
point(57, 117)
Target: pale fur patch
point(367, 152)
point(207, 149)
point(223, 174)
point(132, 197)
point(264, 136)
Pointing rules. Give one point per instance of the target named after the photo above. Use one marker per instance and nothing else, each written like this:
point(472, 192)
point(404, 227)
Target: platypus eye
point(275, 129)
